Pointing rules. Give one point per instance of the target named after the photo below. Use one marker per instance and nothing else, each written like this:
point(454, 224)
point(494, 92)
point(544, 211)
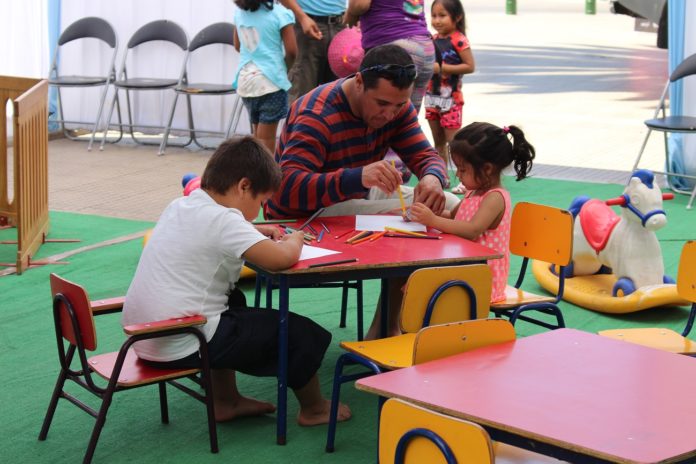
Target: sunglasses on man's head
point(397, 71)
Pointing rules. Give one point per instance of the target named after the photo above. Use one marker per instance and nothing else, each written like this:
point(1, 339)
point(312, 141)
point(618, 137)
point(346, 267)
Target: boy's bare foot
point(242, 407)
point(320, 415)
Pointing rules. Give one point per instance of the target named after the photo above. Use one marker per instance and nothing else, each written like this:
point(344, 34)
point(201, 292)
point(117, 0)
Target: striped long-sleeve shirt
point(324, 146)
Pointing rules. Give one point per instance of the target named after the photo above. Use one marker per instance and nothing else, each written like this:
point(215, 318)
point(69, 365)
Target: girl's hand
point(421, 213)
point(269, 231)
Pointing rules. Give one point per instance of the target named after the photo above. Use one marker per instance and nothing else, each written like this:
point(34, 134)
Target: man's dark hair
point(253, 5)
point(389, 62)
point(237, 158)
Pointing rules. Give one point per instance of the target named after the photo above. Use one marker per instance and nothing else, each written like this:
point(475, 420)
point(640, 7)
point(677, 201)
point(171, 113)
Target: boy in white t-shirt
point(191, 265)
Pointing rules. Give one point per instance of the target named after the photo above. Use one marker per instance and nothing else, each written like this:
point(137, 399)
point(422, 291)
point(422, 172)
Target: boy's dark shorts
point(246, 340)
point(267, 109)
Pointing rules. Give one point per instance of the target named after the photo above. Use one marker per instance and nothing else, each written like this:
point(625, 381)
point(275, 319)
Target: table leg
point(384, 300)
point(283, 310)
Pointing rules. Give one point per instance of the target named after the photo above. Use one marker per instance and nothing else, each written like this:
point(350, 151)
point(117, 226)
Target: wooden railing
point(27, 208)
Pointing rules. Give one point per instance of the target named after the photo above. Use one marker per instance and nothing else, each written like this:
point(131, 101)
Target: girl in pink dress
point(481, 151)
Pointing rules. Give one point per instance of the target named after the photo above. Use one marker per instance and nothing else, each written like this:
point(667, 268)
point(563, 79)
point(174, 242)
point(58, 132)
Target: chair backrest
point(438, 295)
point(68, 296)
point(218, 33)
point(684, 69)
point(686, 275)
point(542, 232)
point(439, 341)
point(90, 27)
point(162, 29)
point(465, 441)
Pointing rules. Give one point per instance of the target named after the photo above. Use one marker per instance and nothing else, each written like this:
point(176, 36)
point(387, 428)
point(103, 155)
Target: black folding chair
point(161, 30)
point(674, 123)
point(215, 34)
point(82, 30)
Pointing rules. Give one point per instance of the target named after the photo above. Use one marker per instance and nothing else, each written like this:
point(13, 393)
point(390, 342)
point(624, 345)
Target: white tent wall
point(211, 64)
point(24, 36)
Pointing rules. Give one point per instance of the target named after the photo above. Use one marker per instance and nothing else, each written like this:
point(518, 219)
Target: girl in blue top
point(266, 41)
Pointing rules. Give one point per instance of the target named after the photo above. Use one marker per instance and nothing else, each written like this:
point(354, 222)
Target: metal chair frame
point(161, 30)
point(675, 123)
point(219, 33)
point(69, 320)
point(85, 28)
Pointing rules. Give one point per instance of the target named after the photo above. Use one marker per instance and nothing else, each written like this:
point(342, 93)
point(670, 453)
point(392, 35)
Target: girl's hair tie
point(506, 130)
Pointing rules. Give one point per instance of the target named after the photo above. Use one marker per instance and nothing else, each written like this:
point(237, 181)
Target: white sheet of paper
point(376, 223)
point(309, 252)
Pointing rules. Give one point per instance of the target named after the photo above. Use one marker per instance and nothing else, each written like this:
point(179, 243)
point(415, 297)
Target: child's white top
point(261, 42)
point(192, 259)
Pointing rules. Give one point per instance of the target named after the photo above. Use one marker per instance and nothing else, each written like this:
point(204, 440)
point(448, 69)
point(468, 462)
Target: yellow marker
point(407, 232)
point(401, 195)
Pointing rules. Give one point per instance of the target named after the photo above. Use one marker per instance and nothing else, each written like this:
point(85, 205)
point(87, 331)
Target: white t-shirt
point(192, 259)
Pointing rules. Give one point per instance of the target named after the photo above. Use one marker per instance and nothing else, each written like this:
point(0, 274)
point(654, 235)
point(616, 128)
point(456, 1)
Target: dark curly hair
point(253, 5)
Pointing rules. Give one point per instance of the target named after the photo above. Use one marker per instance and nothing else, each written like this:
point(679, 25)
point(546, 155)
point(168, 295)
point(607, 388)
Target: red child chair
point(73, 314)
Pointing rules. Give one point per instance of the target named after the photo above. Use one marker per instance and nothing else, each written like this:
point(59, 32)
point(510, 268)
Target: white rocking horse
point(625, 244)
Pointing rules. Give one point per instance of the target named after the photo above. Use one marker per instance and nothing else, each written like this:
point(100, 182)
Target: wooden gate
point(27, 210)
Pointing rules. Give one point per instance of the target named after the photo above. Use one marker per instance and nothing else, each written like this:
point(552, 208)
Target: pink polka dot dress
point(498, 238)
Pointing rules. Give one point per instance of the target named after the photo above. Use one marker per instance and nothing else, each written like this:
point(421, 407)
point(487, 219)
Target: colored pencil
point(344, 233)
point(402, 231)
point(377, 236)
point(401, 195)
point(321, 235)
point(324, 227)
point(311, 229)
point(430, 237)
point(363, 239)
point(331, 263)
point(312, 217)
point(275, 221)
point(359, 235)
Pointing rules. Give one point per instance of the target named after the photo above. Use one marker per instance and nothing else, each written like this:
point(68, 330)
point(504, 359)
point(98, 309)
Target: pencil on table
point(344, 233)
point(324, 227)
point(358, 236)
point(430, 237)
point(403, 231)
point(377, 236)
point(321, 235)
point(362, 239)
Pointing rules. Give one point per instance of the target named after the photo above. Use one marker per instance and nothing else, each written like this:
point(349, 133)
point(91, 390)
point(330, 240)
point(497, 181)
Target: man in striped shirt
point(332, 146)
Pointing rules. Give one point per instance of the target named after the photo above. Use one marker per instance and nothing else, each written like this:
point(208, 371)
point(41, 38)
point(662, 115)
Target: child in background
point(443, 97)
point(191, 265)
point(480, 151)
point(263, 30)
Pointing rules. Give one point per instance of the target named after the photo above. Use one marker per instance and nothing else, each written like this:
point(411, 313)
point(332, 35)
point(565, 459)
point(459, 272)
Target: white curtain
point(212, 64)
point(24, 38)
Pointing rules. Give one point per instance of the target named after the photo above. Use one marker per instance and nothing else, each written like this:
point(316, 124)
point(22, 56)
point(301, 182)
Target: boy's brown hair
point(237, 158)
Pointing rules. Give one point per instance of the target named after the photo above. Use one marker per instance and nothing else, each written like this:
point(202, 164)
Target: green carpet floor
point(133, 432)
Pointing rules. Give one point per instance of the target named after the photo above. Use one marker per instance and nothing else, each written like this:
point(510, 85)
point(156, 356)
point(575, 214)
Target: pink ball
point(192, 185)
point(345, 52)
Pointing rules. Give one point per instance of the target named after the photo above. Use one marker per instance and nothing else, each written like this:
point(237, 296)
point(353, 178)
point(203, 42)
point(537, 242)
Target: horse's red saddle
point(597, 221)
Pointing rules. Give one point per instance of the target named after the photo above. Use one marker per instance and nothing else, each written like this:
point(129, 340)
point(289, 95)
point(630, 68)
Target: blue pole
point(676, 10)
point(53, 34)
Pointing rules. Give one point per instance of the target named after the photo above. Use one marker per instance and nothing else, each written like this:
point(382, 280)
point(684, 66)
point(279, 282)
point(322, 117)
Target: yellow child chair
point(432, 296)
point(544, 233)
point(412, 434)
point(666, 339)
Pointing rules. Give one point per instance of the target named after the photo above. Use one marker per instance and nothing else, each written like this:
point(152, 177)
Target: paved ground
point(579, 85)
